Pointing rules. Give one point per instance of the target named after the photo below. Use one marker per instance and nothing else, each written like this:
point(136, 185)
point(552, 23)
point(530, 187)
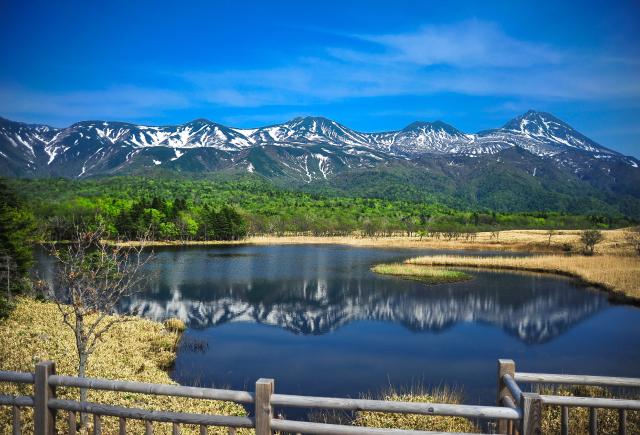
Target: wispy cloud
point(471, 58)
point(117, 102)
point(469, 44)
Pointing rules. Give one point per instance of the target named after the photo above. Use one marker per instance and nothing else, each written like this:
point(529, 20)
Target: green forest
point(218, 209)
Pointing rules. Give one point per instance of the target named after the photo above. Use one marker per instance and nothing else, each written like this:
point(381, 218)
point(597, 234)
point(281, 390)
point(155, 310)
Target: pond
point(318, 321)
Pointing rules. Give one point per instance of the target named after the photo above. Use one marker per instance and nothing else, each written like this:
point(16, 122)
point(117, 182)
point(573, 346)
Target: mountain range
point(533, 161)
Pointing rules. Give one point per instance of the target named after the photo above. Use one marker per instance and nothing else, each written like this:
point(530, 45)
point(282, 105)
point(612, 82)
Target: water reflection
point(315, 290)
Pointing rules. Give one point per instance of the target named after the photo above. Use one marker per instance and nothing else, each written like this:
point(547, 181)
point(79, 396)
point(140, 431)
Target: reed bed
point(615, 273)
point(513, 240)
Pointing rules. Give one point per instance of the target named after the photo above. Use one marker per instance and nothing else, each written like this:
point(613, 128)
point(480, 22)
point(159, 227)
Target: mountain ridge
point(533, 152)
point(539, 132)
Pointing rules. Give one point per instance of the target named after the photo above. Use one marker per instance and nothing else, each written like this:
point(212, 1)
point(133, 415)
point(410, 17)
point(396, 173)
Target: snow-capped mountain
point(314, 149)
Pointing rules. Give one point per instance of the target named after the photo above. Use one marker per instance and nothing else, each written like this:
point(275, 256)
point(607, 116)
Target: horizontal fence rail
point(146, 415)
point(153, 389)
point(16, 401)
point(591, 402)
point(515, 412)
point(336, 429)
point(17, 377)
point(602, 381)
point(441, 409)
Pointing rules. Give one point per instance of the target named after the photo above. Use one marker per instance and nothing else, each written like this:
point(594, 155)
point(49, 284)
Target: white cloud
point(117, 102)
point(466, 45)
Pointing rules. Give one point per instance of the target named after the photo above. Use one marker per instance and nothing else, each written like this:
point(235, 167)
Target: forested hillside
point(216, 209)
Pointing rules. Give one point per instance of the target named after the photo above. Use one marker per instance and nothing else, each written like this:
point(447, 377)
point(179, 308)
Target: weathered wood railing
point(531, 404)
point(46, 405)
point(517, 411)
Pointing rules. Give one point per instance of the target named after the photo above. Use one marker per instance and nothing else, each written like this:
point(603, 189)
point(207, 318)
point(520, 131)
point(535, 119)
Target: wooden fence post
point(44, 417)
point(264, 412)
point(531, 405)
point(505, 366)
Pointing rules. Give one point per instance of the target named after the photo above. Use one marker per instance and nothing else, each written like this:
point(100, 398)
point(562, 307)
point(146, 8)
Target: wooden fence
point(517, 412)
point(509, 394)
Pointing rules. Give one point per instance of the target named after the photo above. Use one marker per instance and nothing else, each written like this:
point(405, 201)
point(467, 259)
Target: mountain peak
point(533, 116)
point(436, 126)
point(200, 121)
point(545, 127)
point(308, 120)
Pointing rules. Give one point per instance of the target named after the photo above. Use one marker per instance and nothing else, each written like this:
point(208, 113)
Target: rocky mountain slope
point(534, 151)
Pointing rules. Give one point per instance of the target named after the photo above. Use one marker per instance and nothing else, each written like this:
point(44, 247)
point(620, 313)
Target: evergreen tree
point(17, 231)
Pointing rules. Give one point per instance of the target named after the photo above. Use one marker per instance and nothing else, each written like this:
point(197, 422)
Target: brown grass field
point(512, 240)
point(617, 274)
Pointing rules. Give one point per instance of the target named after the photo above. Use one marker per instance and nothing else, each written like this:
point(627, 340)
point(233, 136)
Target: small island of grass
point(424, 274)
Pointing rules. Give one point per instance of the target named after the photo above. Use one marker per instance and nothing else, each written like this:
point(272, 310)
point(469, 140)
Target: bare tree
point(590, 238)
point(495, 234)
point(550, 233)
point(91, 278)
point(8, 272)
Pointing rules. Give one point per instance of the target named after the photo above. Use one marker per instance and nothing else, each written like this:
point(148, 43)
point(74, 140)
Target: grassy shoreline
point(618, 275)
point(136, 350)
point(534, 241)
point(615, 268)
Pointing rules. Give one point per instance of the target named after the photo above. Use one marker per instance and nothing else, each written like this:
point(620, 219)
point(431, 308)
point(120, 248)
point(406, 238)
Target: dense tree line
point(188, 209)
point(157, 219)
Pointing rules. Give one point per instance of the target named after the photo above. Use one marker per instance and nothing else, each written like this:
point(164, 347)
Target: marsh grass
point(618, 274)
point(414, 394)
point(174, 325)
point(615, 241)
point(136, 350)
point(427, 275)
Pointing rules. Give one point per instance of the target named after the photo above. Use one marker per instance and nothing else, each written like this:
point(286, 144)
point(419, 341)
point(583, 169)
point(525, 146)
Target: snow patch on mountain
point(315, 145)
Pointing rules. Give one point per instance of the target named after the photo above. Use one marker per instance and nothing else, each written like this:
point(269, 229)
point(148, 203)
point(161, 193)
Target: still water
point(318, 321)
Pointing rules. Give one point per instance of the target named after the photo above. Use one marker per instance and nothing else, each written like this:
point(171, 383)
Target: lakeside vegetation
point(415, 421)
point(426, 275)
point(618, 274)
point(35, 331)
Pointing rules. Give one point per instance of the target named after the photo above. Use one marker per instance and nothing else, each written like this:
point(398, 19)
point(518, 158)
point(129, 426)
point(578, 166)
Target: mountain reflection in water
point(315, 290)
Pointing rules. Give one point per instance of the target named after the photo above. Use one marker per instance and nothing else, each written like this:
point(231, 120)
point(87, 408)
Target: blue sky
point(375, 65)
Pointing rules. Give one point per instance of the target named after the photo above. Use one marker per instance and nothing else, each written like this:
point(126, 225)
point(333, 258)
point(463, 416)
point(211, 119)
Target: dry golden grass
point(136, 350)
point(415, 421)
point(513, 240)
point(427, 275)
point(174, 325)
point(618, 274)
